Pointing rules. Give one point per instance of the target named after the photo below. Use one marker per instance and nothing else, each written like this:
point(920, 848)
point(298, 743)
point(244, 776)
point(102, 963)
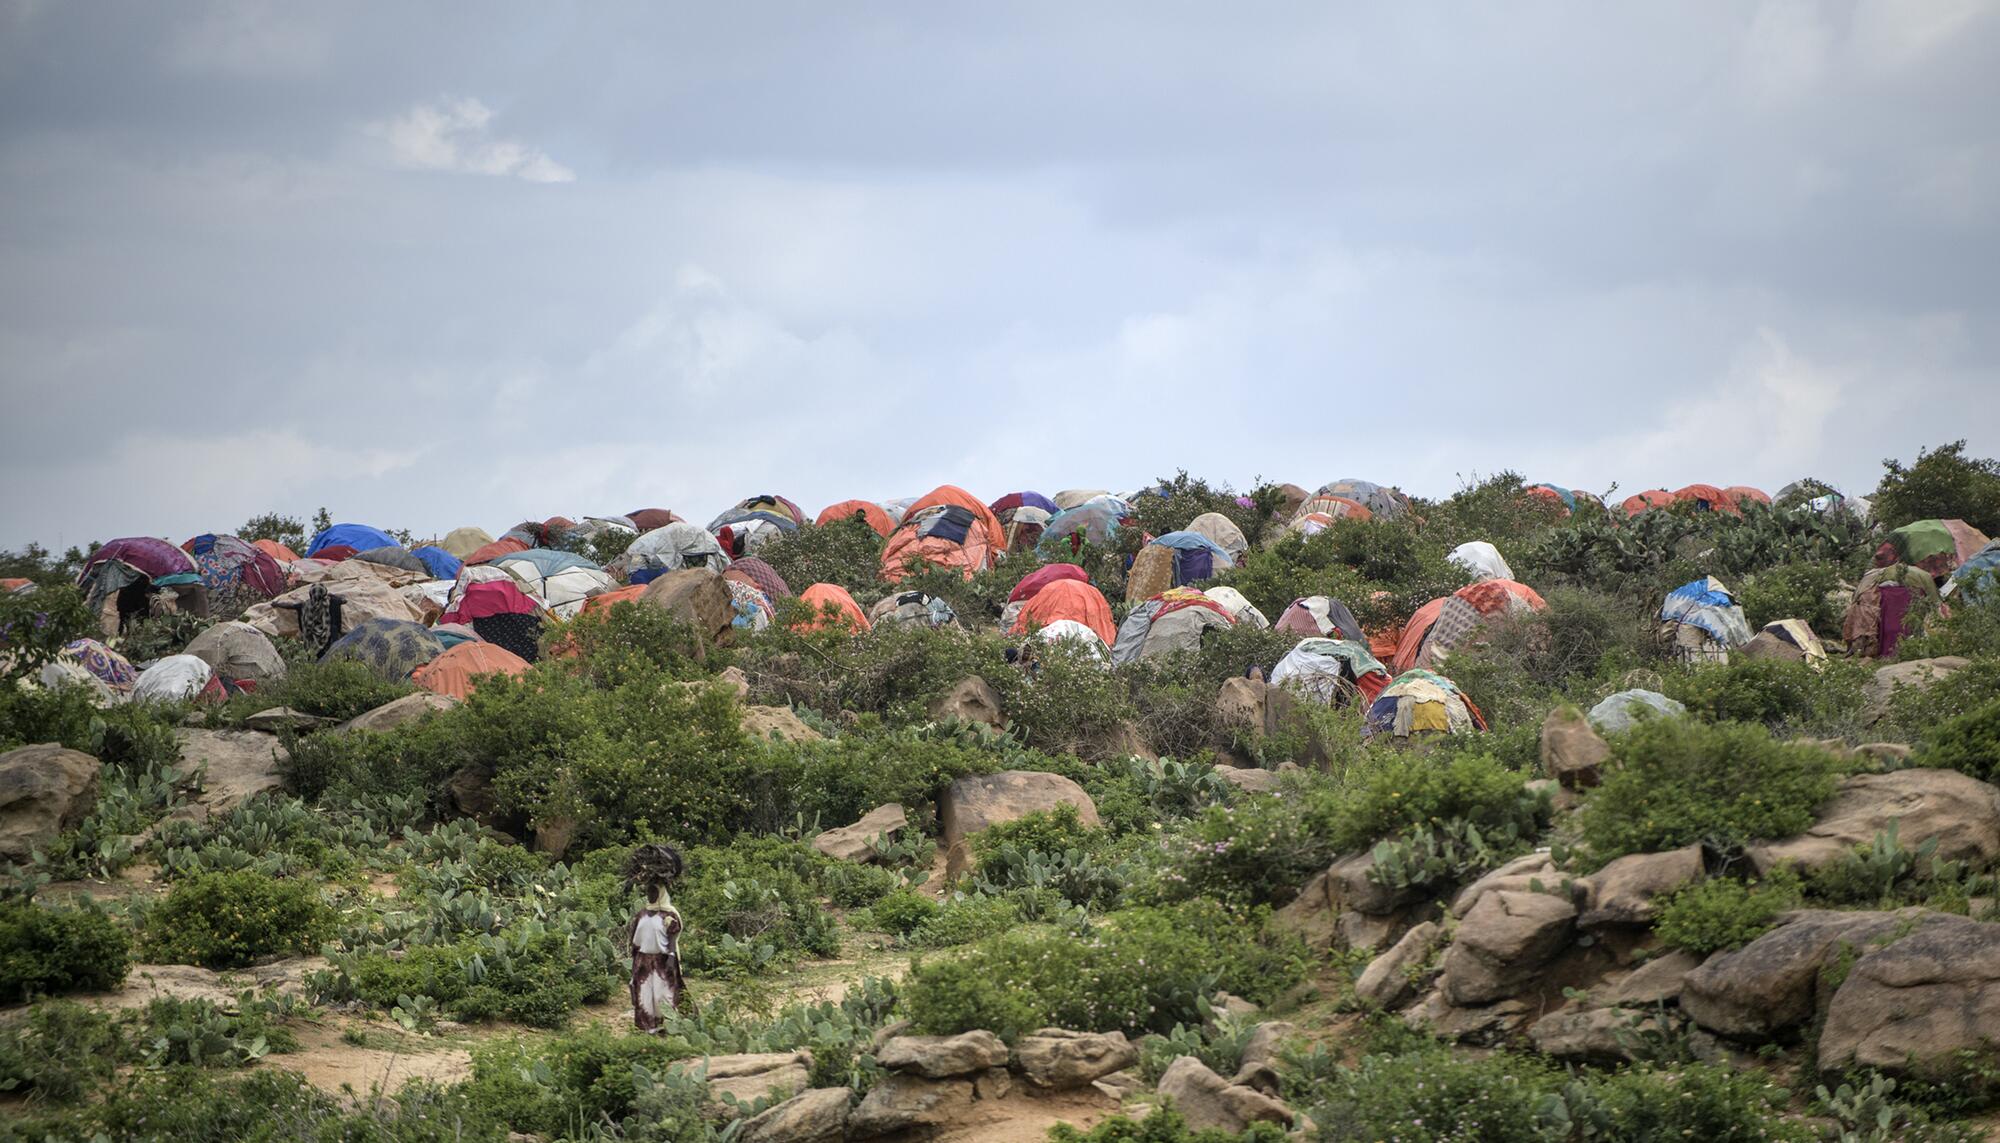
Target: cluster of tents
point(448, 612)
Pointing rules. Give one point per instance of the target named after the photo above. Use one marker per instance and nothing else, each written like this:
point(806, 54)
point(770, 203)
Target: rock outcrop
point(1917, 1004)
point(391, 715)
point(1207, 1101)
point(1959, 812)
point(976, 803)
point(1773, 983)
point(1056, 1059)
point(1502, 943)
point(1623, 892)
point(940, 1057)
point(1573, 753)
point(696, 596)
point(816, 1116)
point(972, 700)
point(44, 790)
point(856, 842)
point(1892, 677)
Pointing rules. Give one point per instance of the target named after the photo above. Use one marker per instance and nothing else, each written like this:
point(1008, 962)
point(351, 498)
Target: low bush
point(228, 920)
point(1256, 852)
point(34, 627)
point(1784, 696)
point(1163, 1125)
point(1675, 781)
point(962, 920)
point(1968, 743)
point(1724, 913)
point(1431, 1094)
point(533, 977)
point(58, 1049)
point(1712, 1102)
point(1802, 591)
point(902, 911)
point(1397, 792)
point(48, 952)
point(339, 689)
point(1138, 970)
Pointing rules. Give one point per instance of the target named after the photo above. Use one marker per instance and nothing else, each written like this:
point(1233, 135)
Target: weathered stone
point(1250, 780)
point(855, 842)
point(1227, 1007)
point(697, 596)
point(1476, 1024)
point(1622, 893)
point(975, 803)
point(1503, 943)
point(282, 718)
point(972, 699)
point(391, 715)
point(777, 722)
point(1057, 1058)
point(1353, 888)
point(1890, 754)
point(755, 1075)
point(899, 1102)
point(940, 1057)
point(1121, 1085)
point(1892, 677)
point(1239, 705)
point(1916, 1006)
point(993, 1083)
point(1312, 915)
point(1259, 1065)
point(1959, 812)
point(736, 680)
point(1528, 873)
point(1655, 982)
point(1207, 1101)
point(1573, 753)
point(1772, 983)
point(470, 792)
point(554, 836)
point(1366, 932)
point(44, 790)
point(1390, 979)
point(1600, 1035)
point(235, 765)
point(816, 1116)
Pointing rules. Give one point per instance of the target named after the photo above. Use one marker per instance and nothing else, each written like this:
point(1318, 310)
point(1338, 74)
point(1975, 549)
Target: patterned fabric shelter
point(1024, 516)
point(130, 560)
point(1553, 494)
point(912, 607)
point(753, 610)
point(1420, 702)
point(1318, 616)
point(673, 547)
point(561, 580)
point(462, 542)
point(1095, 521)
point(1322, 511)
point(1482, 559)
point(1937, 546)
point(755, 521)
point(1238, 606)
point(1889, 604)
point(392, 648)
point(1442, 624)
point(1176, 559)
point(647, 519)
point(1977, 580)
point(1382, 501)
point(1174, 620)
point(1701, 621)
point(234, 570)
point(759, 575)
point(1330, 670)
point(109, 667)
point(1221, 531)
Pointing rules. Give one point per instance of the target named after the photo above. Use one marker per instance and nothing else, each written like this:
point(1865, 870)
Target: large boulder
point(1960, 813)
point(697, 596)
point(1056, 1058)
point(1483, 1024)
point(1503, 943)
point(277, 718)
point(44, 790)
point(1250, 780)
point(1623, 892)
point(391, 715)
point(974, 804)
point(1528, 873)
point(1773, 983)
point(1573, 753)
point(972, 700)
point(1654, 982)
point(1917, 673)
point(856, 842)
point(1919, 1004)
point(1599, 1035)
point(940, 1057)
point(238, 651)
point(900, 1102)
point(1207, 1101)
point(1392, 978)
point(816, 1116)
point(1239, 706)
point(1258, 1067)
point(777, 722)
point(1352, 883)
point(752, 1076)
point(235, 765)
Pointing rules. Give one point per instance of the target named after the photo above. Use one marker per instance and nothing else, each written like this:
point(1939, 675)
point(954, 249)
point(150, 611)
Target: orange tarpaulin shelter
point(609, 599)
point(1708, 498)
point(275, 550)
point(455, 673)
point(1744, 494)
point(818, 596)
point(1472, 604)
point(504, 546)
point(951, 528)
point(1651, 498)
point(1068, 599)
point(867, 510)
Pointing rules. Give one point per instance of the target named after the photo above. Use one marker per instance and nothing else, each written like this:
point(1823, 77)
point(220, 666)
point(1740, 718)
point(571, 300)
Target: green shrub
point(1672, 782)
point(35, 626)
point(1255, 852)
point(757, 890)
point(1802, 591)
point(1781, 695)
point(535, 978)
point(902, 911)
point(843, 552)
point(227, 920)
point(339, 689)
point(1968, 743)
point(1139, 970)
point(1724, 913)
point(962, 920)
point(1710, 1102)
point(849, 885)
point(1399, 791)
point(1943, 483)
point(1163, 1125)
point(836, 781)
point(1433, 1095)
point(58, 1049)
point(48, 952)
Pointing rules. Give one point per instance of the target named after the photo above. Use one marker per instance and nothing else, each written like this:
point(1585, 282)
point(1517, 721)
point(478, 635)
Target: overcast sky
point(431, 265)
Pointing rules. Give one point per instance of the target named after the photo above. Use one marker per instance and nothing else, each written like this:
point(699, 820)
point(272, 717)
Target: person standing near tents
point(654, 936)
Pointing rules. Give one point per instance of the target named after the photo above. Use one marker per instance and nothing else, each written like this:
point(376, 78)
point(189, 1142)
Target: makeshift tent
point(1620, 712)
point(178, 678)
point(671, 548)
point(1789, 640)
point(1707, 498)
point(752, 608)
point(947, 528)
point(1420, 702)
point(1221, 531)
point(1482, 559)
point(1462, 614)
point(1023, 517)
point(1554, 495)
point(870, 513)
point(846, 612)
point(759, 575)
point(498, 609)
point(109, 667)
point(239, 653)
point(391, 648)
point(1095, 521)
point(1329, 509)
point(911, 607)
point(1379, 500)
point(1977, 580)
point(1329, 671)
point(597, 604)
point(277, 551)
point(1889, 604)
point(1937, 546)
point(394, 556)
point(1651, 498)
point(452, 634)
point(120, 579)
point(1070, 633)
point(1320, 616)
point(1237, 605)
point(755, 521)
point(1071, 497)
point(1744, 494)
point(440, 563)
point(233, 571)
point(1174, 560)
point(462, 542)
point(506, 545)
point(359, 537)
point(1042, 577)
point(1067, 599)
point(1171, 621)
point(896, 509)
point(561, 580)
point(650, 519)
point(457, 671)
point(1700, 621)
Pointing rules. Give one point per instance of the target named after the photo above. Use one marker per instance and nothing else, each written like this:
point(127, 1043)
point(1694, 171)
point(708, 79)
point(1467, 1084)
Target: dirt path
point(1024, 1118)
point(381, 1065)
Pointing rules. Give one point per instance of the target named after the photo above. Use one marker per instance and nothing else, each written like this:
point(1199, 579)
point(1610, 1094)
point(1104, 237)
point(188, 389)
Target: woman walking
point(654, 936)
